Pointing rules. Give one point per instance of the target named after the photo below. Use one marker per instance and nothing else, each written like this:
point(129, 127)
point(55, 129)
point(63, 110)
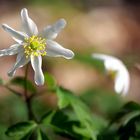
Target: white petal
point(110, 62)
point(20, 55)
point(122, 78)
point(19, 63)
point(36, 62)
point(28, 24)
point(16, 34)
point(122, 82)
point(55, 50)
point(14, 49)
point(51, 31)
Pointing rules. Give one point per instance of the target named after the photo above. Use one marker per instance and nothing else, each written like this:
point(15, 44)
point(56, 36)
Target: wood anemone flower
point(32, 45)
point(117, 70)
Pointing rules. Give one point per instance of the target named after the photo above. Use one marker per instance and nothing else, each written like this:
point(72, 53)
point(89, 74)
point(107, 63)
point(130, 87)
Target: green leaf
point(50, 81)
point(102, 100)
point(129, 124)
point(108, 134)
point(87, 59)
point(127, 118)
point(63, 99)
point(27, 136)
point(47, 118)
point(81, 130)
point(20, 81)
point(126, 109)
point(131, 116)
point(66, 98)
point(41, 135)
point(131, 106)
point(61, 124)
point(21, 129)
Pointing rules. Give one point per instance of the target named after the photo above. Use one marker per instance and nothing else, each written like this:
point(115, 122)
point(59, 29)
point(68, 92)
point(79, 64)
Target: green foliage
point(131, 109)
point(61, 124)
point(21, 130)
point(27, 136)
point(74, 119)
point(47, 118)
point(20, 81)
point(129, 121)
point(41, 135)
point(105, 101)
point(66, 98)
point(125, 124)
point(13, 110)
point(50, 81)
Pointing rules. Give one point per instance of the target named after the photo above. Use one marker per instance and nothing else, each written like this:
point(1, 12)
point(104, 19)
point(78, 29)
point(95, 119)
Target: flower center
point(112, 74)
point(35, 46)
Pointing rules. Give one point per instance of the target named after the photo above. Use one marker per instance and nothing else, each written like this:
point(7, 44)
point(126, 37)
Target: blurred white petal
point(28, 24)
point(36, 62)
point(55, 50)
point(16, 34)
point(19, 63)
point(14, 49)
point(122, 82)
point(122, 77)
point(51, 31)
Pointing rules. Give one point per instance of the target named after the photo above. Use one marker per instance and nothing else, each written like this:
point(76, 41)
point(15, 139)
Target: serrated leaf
point(130, 116)
point(41, 135)
point(27, 136)
point(21, 129)
point(81, 131)
point(126, 109)
point(60, 123)
point(50, 81)
point(66, 98)
point(127, 131)
point(63, 126)
point(47, 118)
point(128, 126)
point(63, 100)
point(20, 81)
point(127, 118)
point(108, 134)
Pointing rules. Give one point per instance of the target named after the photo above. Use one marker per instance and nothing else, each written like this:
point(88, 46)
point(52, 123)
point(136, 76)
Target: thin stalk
point(27, 99)
point(25, 83)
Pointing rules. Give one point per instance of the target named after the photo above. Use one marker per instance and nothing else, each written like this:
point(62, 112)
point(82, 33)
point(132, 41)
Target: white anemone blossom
point(115, 68)
point(31, 45)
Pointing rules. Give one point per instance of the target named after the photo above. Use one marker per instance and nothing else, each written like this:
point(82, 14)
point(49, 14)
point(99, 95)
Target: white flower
point(117, 70)
point(31, 45)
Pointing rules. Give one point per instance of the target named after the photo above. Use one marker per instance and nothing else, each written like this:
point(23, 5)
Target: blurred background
point(105, 26)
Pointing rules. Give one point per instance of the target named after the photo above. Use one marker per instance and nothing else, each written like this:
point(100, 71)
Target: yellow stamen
point(35, 46)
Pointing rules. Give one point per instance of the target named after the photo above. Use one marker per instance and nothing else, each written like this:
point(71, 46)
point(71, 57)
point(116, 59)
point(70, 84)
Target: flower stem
point(25, 83)
point(26, 97)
